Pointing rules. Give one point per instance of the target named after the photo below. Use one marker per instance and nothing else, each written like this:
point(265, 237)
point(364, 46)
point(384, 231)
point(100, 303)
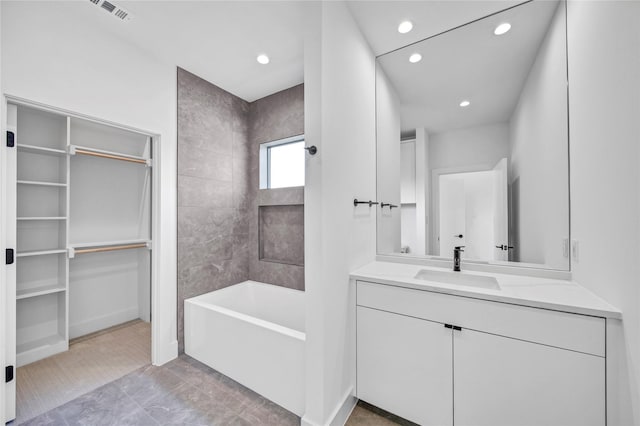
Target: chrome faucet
point(456, 258)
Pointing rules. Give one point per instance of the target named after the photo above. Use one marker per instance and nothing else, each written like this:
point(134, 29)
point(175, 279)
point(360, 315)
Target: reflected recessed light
point(405, 27)
point(465, 104)
point(263, 59)
point(502, 28)
point(416, 57)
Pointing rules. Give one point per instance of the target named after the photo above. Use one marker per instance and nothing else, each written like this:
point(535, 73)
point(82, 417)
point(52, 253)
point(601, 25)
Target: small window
point(282, 163)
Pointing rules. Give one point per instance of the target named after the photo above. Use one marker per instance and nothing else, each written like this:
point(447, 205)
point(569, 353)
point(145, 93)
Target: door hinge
point(9, 256)
point(8, 373)
point(453, 327)
point(11, 139)
point(448, 326)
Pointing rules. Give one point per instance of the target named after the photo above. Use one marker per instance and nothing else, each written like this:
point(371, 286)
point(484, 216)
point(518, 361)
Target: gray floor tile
point(182, 392)
point(50, 418)
point(138, 418)
point(106, 405)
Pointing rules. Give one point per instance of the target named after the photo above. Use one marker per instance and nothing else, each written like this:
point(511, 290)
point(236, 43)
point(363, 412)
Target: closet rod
point(112, 248)
point(111, 156)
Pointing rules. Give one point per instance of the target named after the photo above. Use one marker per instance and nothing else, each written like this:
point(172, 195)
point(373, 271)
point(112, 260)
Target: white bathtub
point(253, 333)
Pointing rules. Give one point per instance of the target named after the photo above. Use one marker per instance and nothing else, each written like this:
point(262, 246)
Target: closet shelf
point(77, 149)
point(40, 252)
point(39, 291)
point(40, 183)
point(110, 246)
point(43, 218)
point(41, 150)
point(108, 243)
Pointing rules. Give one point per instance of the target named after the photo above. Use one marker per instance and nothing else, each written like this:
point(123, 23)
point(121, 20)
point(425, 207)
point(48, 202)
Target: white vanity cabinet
point(439, 359)
point(404, 366)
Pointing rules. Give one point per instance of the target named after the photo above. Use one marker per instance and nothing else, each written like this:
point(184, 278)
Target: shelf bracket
point(72, 252)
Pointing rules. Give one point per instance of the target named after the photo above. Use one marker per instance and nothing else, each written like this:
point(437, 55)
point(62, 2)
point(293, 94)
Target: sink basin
point(458, 278)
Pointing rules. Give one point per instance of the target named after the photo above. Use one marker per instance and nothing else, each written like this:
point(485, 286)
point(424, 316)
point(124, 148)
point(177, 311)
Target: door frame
point(158, 294)
point(434, 247)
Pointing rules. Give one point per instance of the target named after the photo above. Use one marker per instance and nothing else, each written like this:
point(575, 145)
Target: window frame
point(265, 159)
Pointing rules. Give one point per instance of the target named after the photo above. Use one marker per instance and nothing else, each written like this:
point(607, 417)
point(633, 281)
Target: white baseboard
point(92, 325)
point(340, 414)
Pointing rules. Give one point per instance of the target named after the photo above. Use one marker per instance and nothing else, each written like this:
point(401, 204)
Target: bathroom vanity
point(444, 348)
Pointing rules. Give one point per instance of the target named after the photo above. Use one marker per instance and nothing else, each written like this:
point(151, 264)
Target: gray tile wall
point(276, 226)
point(274, 117)
point(213, 190)
point(219, 138)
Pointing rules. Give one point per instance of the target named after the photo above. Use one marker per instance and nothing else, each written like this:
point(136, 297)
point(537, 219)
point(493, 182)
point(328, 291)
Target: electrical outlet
point(575, 250)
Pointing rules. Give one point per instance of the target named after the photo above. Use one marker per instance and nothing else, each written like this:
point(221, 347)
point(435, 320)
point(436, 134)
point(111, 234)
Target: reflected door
point(500, 211)
point(452, 213)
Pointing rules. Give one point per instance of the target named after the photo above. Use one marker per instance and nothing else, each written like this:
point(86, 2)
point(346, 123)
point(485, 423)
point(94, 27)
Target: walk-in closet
point(81, 233)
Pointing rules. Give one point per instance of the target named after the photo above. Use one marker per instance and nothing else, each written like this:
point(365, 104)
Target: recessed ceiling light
point(405, 27)
point(465, 104)
point(502, 28)
point(416, 57)
point(263, 59)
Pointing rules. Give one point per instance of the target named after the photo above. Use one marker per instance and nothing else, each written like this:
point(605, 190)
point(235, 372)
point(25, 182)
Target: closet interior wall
point(72, 209)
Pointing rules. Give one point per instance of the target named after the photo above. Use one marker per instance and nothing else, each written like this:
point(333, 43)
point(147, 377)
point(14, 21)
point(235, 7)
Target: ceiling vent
point(113, 9)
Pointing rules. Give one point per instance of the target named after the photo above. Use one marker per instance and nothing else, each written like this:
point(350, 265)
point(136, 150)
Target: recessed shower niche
point(281, 234)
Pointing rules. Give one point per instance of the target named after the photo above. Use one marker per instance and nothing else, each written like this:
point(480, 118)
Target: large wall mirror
point(472, 141)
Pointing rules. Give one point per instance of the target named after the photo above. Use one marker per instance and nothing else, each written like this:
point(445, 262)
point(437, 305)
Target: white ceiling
point(218, 40)
point(470, 63)
point(379, 19)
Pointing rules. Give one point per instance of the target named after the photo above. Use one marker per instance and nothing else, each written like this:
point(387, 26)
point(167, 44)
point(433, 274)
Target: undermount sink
point(458, 278)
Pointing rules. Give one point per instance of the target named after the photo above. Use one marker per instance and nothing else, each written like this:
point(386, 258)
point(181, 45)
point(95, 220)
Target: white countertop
point(559, 295)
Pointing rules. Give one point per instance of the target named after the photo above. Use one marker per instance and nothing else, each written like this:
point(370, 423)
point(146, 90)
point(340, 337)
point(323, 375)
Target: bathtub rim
point(298, 335)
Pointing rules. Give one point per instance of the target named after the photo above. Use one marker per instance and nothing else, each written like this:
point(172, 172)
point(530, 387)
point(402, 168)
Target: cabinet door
point(404, 366)
point(503, 381)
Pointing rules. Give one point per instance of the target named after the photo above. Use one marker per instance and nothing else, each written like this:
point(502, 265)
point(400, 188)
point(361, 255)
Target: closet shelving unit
point(41, 230)
point(83, 231)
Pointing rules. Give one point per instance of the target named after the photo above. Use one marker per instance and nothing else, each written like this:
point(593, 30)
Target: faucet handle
point(459, 248)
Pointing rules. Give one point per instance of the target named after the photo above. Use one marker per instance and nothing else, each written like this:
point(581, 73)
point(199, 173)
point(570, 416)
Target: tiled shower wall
point(219, 138)
point(213, 189)
point(274, 117)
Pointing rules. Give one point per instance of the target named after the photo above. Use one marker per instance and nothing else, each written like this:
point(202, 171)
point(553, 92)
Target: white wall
point(388, 164)
point(539, 155)
point(65, 55)
point(604, 111)
point(468, 147)
point(340, 121)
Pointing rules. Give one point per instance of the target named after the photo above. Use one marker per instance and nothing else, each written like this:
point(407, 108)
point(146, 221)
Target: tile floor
point(184, 392)
point(91, 361)
point(181, 392)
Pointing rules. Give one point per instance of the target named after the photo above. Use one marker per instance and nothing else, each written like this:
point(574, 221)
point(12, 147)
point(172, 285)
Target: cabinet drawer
point(560, 329)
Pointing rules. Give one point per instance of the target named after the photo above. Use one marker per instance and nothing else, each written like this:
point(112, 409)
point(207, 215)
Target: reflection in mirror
point(472, 141)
